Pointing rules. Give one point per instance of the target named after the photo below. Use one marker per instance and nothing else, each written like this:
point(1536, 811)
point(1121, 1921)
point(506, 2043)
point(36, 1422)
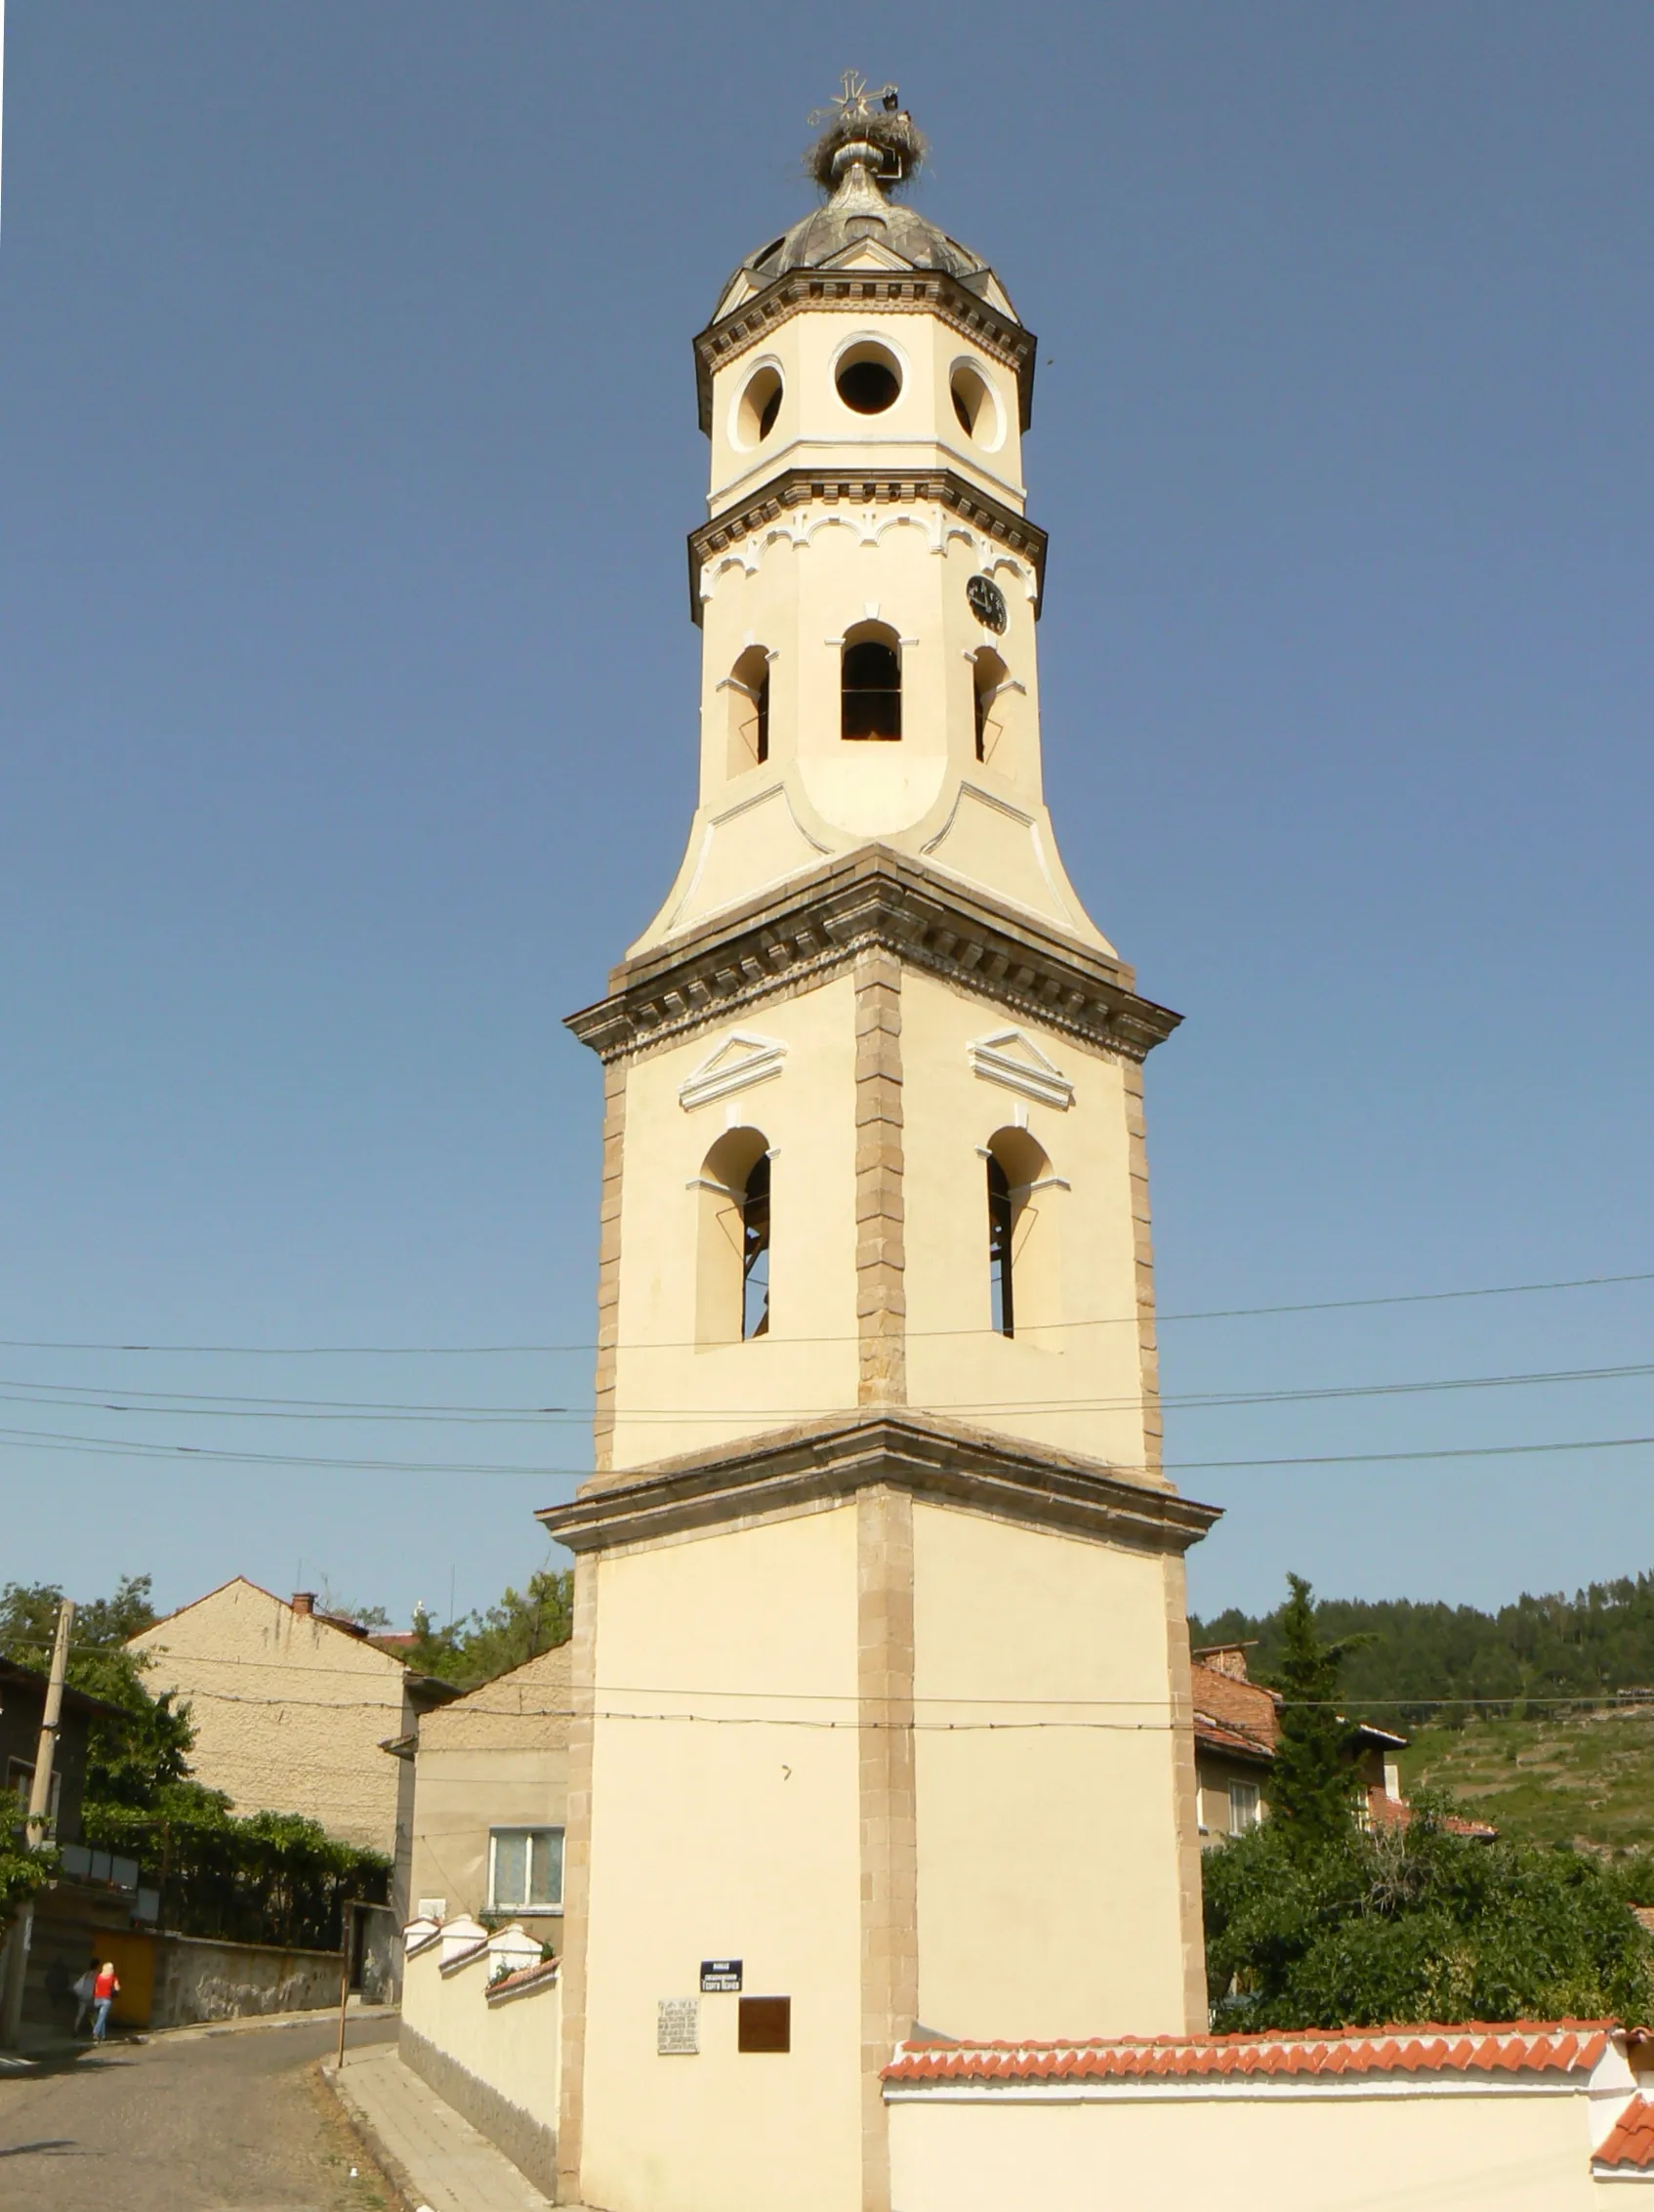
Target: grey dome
point(858, 211)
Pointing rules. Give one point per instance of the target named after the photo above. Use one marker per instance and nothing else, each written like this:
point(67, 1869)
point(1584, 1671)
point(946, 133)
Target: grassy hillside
point(1584, 1779)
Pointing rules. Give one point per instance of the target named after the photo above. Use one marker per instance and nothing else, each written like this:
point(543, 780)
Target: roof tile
point(1478, 2047)
point(1630, 2146)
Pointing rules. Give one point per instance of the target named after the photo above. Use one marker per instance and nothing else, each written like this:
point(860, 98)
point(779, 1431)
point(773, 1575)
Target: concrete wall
point(1522, 2146)
point(735, 1834)
point(1057, 1828)
point(497, 2064)
point(289, 1712)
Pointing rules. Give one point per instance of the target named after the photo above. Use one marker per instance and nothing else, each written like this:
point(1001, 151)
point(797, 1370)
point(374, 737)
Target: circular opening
point(975, 404)
point(868, 379)
point(757, 407)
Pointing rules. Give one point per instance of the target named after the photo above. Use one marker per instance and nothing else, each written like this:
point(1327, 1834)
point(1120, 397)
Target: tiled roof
point(1395, 1812)
point(1629, 2146)
point(1214, 1736)
point(524, 1978)
point(1244, 1705)
point(1558, 2046)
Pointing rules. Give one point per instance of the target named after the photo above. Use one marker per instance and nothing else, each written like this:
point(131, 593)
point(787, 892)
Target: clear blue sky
point(347, 693)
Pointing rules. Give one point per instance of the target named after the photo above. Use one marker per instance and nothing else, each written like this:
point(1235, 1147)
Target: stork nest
point(893, 132)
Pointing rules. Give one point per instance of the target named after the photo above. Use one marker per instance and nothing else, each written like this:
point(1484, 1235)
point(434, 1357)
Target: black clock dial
point(987, 604)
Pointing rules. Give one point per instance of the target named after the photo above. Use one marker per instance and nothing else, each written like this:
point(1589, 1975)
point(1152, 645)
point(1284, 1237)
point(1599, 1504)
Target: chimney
point(304, 1602)
point(1224, 1659)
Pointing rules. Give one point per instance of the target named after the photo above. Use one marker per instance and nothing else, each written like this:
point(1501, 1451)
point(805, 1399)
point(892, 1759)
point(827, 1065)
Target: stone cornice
point(823, 1463)
point(866, 487)
point(923, 291)
point(813, 926)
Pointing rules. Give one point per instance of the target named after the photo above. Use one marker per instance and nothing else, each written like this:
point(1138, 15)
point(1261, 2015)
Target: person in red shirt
point(105, 1990)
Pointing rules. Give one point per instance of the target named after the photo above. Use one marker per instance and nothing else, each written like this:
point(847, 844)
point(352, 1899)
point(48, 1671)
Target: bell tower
point(882, 1674)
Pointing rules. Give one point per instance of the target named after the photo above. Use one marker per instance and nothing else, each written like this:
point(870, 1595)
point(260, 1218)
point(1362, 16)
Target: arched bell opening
point(989, 677)
point(747, 690)
point(1025, 1255)
point(734, 1245)
point(870, 684)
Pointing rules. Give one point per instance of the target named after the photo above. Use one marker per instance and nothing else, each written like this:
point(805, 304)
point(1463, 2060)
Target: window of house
point(1243, 1807)
point(870, 697)
point(525, 1870)
point(20, 1780)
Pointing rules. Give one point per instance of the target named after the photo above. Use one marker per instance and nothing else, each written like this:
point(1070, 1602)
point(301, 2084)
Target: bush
point(266, 1878)
point(1416, 1924)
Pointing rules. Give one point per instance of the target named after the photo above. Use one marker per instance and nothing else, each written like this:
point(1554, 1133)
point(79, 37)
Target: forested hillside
point(1599, 1640)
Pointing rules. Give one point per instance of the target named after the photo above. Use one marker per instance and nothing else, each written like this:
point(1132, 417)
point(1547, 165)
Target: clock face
point(987, 604)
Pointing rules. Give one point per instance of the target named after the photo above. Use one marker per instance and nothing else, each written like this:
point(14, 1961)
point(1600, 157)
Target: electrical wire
point(490, 1350)
point(135, 1448)
point(196, 1405)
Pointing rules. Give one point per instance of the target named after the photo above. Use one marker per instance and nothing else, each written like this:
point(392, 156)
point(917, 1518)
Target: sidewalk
point(438, 2160)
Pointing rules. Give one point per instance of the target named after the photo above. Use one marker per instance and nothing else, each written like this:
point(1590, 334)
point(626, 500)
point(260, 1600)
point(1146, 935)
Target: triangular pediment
point(1009, 1057)
point(737, 1061)
point(867, 253)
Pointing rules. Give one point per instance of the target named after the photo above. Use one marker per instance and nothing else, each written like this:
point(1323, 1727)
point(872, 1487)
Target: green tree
point(481, 1645)
point(1312, 1788)
point(1414, 1923)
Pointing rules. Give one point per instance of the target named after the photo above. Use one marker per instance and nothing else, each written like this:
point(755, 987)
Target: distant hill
point(1419, 1659)
point(1586, 1779)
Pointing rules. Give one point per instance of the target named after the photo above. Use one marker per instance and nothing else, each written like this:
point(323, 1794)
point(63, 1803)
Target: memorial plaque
point(677, 2028)
point(720, 1976)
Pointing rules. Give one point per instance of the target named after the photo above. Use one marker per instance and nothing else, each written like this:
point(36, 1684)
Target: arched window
point(748, 689)
point(733, 1267)
point(755, 1250)
point(987, 674)
point(870, 684)
point(1001, 1290)
point(1024, 1278)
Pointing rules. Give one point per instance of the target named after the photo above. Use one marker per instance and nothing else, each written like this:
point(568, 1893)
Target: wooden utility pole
point(46, 1752)
point(36, 1821)
point(347, 1930)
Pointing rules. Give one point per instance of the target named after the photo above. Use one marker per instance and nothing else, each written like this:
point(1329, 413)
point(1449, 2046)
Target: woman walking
point(105, 1990)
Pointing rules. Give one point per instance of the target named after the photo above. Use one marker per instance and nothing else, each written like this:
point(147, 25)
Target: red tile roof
point(1630, 2146)
point(525, 1977)
point(1558, 2046)
point(1211, 1736)
point(1228, 1704)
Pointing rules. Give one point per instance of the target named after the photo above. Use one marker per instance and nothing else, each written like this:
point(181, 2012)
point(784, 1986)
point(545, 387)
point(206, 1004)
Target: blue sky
point(348, 716)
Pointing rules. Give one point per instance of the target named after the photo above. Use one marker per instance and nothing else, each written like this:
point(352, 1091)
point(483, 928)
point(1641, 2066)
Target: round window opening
point(975, 406)
point(760, 404)
point(868, 379)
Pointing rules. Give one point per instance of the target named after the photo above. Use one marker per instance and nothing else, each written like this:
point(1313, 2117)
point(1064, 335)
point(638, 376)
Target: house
point(289, 1707)
point(22, 1704)
point(490, 1794)
point(482, 2015)
point(1236, 1727)
point(1236, 1722)
point(96, 1896)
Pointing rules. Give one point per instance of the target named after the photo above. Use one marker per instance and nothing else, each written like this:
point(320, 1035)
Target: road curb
point(395, 2175)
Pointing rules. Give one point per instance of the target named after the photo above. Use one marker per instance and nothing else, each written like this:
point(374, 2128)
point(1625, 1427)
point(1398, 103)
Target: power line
point(1109, 1321)
point(133, 1448)
point(201, 1406)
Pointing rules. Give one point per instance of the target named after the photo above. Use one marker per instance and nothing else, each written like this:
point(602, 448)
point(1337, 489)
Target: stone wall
point(197, 1977)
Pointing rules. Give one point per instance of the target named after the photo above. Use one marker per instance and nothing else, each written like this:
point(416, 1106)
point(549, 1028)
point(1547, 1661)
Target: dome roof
point(859, 214)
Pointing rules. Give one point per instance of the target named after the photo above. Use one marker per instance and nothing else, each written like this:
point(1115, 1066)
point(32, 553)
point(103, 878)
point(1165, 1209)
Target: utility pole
point(36, 1821)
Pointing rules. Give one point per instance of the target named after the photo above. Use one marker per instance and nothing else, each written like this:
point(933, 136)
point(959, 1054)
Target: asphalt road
point(186, 2124)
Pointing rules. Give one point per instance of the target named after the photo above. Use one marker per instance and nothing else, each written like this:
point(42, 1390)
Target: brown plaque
point(765, 2024)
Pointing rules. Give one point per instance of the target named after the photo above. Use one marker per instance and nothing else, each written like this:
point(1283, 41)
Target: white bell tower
point(881, 1660)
